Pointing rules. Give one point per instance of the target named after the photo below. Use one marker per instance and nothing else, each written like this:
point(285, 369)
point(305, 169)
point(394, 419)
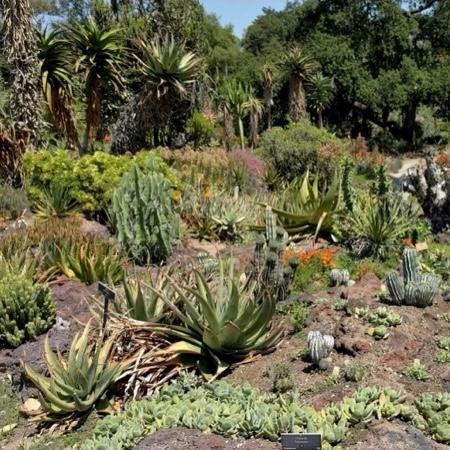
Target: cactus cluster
point(273, 278)
point(413, 288)
point(339, 277)
point(320, 346)
point(143, 214)
point(219, 407)
point(26, 308)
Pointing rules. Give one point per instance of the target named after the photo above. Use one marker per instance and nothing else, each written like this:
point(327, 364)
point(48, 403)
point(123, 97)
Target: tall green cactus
point(26, 309)
point(413, 288)
point(143, 214)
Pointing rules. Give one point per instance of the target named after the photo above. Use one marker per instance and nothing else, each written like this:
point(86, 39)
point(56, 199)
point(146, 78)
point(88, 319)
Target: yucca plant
point(99, 57)
point(305, 209)
point(55, 201)
point(54, 57)
point(319, 89)
point(223, 322)
point(78, 384)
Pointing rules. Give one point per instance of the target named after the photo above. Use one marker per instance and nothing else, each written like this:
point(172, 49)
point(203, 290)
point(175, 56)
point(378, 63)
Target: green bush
point(301, 146)
point(143, 213)
point(12, 202)
point(200, 129)
point(26, 308)
point(90, 179)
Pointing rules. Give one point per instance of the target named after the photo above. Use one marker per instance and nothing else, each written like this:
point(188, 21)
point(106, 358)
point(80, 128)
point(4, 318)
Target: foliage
point(12, 202)
point(384, 316)
point(221, 321)
point(413, 287)
point(356, 372)
point(200, 129)
point(89, 179)
point(280, 375)
point(431, 415)
point(301, 147)
point(319, 92)
point(78, 384)
point(305, 209)
point(443, 342)
point(417, 371)
point(26, 309)
point(378, 222)
point(55, 201)
point(143, 214)
point(89, 260)
point(298, 313)
point(8, 404)
point(222, 408)
point(442, 356)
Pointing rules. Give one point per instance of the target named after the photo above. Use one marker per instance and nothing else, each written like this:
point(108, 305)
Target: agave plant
point(89, 261)
point(56, 201)
point(305, 209)
point(222, 323)
point(78, 384)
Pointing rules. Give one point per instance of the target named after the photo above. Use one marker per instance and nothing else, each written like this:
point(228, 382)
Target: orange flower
point(408, 241)
point(324, 255)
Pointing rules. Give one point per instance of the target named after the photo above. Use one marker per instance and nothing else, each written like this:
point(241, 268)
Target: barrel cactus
point(143, 214)
point(412, 288)
point(320, 346)
point(339, 277)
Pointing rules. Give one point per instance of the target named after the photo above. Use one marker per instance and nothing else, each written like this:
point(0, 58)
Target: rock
point(94, 228)
point(348, 338)
point(184, 438)
point(402, 349)
point(446, 295)
point(442, 238)
point(395, 436)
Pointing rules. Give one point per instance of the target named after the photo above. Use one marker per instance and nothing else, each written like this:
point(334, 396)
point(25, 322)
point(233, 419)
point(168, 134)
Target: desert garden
point(206, 242)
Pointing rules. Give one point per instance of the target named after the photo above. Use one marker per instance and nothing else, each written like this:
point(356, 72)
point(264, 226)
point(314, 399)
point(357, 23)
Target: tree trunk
point(21, 57)
point(320, 118)
point(241, 132)
point(268, 100)
point(297, 99)
point(253, 134)
point(409, 122)
point(228, 130)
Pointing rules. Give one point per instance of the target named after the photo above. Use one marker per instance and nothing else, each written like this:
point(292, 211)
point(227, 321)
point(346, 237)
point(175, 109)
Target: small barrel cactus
point(320, 346)
point(413, 288)
point(339, 277)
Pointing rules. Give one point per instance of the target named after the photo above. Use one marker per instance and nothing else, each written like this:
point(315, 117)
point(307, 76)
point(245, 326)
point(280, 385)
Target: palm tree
point(269, 75)
point(99, 51)
point(255, 110)
point(168, 71)
point(56, 81)
point(298, 66)
point(320, 92)
point(21, 57)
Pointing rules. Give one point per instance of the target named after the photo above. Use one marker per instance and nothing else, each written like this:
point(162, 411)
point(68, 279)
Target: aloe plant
point(221, 323)
point(78, 384)
point(304, 208)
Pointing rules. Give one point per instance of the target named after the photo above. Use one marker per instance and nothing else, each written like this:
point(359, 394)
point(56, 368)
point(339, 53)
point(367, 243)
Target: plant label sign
point(301, 441)
point(106, 291)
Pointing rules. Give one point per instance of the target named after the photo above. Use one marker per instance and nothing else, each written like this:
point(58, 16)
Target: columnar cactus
point(339, 277)
point(26, 309)
point(320, 346)
point(274, 279)
point(143, 214)
point(413, 288)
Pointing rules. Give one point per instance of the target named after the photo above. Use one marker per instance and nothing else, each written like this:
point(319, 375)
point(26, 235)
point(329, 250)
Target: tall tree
point(255, 111)
point(319, 93)
point(298, 66)
point(269, 76)
point(19, 43)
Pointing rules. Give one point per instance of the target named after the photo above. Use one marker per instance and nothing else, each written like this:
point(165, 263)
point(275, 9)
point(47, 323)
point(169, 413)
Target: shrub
point(143, 214)
point(26, 308)
point(90, 179)
point(200, 129)
point(12, 202)
point(300, 147)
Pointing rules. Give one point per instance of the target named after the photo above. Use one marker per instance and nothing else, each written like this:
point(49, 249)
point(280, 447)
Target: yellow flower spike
point(176, 195)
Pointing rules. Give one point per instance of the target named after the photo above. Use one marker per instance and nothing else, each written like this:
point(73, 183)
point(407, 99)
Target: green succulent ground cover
point(222, 408)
